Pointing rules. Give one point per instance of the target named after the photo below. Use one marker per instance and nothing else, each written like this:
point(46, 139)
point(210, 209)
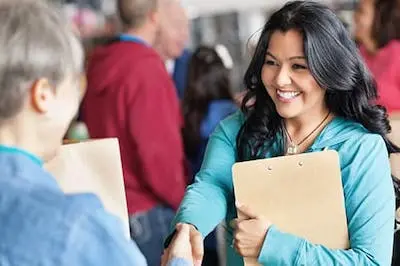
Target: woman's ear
point(41, 95)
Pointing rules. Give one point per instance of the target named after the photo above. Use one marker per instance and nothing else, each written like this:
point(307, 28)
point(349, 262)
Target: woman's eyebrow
point(290, 58)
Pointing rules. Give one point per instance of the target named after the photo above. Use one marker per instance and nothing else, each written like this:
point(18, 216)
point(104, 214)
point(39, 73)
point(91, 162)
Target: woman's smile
point(287, 96)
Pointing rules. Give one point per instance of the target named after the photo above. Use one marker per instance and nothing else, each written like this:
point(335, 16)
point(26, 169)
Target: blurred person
point(41, 86)
point(171, 42)
point(174, 30)
point(178, 69)
point(207, 100)
point(377, 29)
point(85, 19)
point(131, 96)
point(312, 92)
point(111, 25)
point(92, 4)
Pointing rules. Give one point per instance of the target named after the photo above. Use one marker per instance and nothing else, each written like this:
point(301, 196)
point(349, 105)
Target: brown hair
point(386, 25)
point(133, 12)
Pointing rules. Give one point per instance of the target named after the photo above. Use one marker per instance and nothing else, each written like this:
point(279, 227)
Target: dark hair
point(386, 22)
point(208, 80)
point(334, 62)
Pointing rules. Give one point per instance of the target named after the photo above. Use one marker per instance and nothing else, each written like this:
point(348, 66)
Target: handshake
point(186, 248)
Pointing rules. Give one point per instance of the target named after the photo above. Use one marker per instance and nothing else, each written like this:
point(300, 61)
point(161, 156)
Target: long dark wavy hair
point(334, 62)
point(208, 80)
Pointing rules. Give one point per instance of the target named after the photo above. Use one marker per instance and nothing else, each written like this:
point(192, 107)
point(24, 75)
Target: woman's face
point(363, 20)
point(288, 80)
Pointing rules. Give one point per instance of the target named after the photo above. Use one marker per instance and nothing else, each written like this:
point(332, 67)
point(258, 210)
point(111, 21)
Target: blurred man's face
point(174, 33)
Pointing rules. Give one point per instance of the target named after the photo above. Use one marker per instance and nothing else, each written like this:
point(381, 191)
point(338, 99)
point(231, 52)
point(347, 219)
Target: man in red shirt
point(131, 96)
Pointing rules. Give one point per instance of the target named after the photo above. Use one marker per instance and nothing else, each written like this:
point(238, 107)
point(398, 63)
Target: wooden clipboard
point(300, 194)
point(93, 166)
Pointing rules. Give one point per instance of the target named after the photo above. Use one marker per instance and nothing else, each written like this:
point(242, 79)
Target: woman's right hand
point(180, 244)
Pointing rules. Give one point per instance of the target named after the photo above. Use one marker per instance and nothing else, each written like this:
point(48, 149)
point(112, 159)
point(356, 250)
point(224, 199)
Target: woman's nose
point(283, 78)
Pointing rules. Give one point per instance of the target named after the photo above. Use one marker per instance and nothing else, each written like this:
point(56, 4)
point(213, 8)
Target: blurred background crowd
point(205, 48)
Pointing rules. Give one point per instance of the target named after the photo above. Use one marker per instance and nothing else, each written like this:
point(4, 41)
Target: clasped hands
point(249, 234)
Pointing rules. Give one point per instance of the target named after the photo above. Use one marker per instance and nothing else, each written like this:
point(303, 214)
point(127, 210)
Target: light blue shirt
point(368, 191)
point(40, 225)
point(179, 262)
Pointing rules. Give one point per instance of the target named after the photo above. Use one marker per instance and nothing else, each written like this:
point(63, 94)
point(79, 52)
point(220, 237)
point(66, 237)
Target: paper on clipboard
point(301, 194)
point(93, 166)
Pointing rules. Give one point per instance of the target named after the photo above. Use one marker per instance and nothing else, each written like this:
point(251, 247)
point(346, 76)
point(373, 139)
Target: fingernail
point(197, 263)
point(238, 204)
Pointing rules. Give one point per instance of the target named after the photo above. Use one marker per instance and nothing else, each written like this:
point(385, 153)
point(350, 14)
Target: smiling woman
point(291, 86)
point(309, 90)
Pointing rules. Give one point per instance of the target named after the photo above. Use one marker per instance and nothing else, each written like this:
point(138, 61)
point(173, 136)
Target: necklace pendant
point(292, 149)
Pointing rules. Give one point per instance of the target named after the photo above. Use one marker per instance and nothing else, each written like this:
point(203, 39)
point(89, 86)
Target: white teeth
point(288, 94)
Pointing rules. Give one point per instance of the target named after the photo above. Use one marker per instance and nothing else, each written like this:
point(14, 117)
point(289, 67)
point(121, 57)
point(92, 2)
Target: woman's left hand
point(250, 232)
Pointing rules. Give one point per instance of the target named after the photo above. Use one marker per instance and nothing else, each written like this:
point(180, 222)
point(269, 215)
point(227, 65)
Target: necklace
point(293, 148)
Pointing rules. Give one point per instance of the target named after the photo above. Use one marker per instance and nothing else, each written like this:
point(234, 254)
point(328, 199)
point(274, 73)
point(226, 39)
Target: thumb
point(246, 211)
point(180, 246)
point(183, 233)
point(196, 241)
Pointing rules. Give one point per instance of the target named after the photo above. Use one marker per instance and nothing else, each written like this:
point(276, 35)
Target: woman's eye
point(270, 63)
point(298, 66)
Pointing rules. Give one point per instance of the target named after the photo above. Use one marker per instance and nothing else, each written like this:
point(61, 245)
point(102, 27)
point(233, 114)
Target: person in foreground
point(312, 91)
point(41, 85)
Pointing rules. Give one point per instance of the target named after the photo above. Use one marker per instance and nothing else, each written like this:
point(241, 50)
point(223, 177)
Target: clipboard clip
point(269, 167)
point(300, 163)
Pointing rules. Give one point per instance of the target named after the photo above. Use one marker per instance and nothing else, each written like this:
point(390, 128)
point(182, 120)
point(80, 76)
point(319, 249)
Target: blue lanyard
point(132, 38)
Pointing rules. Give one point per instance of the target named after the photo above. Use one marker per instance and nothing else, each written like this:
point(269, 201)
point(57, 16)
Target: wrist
point(168, 241)
point(192, 227)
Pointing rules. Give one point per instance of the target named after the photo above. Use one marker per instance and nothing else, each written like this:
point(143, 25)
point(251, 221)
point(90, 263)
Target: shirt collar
point(17, 163)
point(132, 38)
point(16, 150)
